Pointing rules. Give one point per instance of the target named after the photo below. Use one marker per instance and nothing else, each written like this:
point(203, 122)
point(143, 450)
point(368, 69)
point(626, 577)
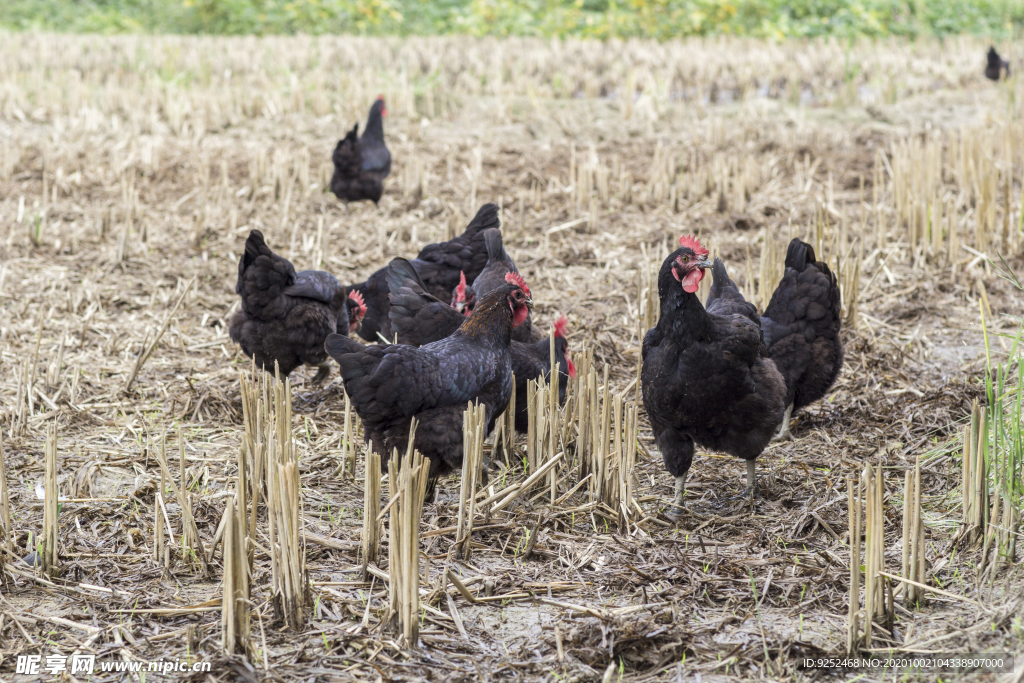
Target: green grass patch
point(658, 19)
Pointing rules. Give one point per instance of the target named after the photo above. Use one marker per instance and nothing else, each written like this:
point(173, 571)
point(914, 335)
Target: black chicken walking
point(362, 162)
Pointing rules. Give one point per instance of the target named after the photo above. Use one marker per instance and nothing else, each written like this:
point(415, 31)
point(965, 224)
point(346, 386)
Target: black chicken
point(418, 318)
point(499, 263)
point(361, 163)
point(463, 296)
point(390, 384)
point(285, 316)
point(439, 266)
point(706, 375)
point(996, 65)
point(356, 313)
point(801, 329)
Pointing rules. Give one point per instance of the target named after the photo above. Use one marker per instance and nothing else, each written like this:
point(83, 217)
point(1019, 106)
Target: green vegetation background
point(659, 19)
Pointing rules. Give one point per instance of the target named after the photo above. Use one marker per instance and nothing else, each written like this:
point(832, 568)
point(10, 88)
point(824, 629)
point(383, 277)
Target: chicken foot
point(783, 434)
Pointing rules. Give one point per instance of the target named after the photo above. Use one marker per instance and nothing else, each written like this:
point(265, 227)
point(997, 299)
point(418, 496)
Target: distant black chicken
point(438, 265)
point(390, 384)
point(706, 377)
point(996, 65)
point(362, 162)
point(285, 316)
point(802, 329)
point(418, 318)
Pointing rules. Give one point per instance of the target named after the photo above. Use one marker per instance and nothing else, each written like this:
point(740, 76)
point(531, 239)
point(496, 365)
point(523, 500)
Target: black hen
point(285, 316)
point(499, 263)
point(419, 318)
point(390, 384)
point(706, 377)
point(801, 329)
point(362, 162)
point(439, 267)
point(996, 65)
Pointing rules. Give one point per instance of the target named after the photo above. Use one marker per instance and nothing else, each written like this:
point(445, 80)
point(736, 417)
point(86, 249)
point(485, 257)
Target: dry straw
point(370, 540)
point(409, 484)
point(235, 621)
point(290, 583)
point(189, 532)
point(6, 530)
point(149, 346)
point(872, 622)
point(474, 427)
point(48, 560)
point(913, 535)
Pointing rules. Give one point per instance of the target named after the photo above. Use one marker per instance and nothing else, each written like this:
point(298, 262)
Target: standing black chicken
point(285, 316)
point(439, 266)
point(362, 162)
point(801, 329)
point(390, 384)
point(419, 318)
point(706, 376)
point(996, 65)
point(499, 263)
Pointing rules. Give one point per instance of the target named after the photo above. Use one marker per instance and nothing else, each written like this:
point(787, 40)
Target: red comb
point(358, 298)
point(560, 325)
point(691, 243)
point(460, 291)
point(517, 279)
point(380, 97)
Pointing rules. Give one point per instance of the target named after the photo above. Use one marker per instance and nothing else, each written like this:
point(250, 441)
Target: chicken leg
point(322, 373)
point(676, 510)
point(751, 490)
point(783, 433)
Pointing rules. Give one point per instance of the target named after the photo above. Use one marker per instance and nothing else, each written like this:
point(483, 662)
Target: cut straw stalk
point(853, 507)
point(50, 510)
point(284, 513)
point(474, 426)
point(410, 487)
point(189, 530)
point(6, 530)
point(370, 541)
point(913, 535)
point(235, 602)
point(975, 475)
point(149, 347)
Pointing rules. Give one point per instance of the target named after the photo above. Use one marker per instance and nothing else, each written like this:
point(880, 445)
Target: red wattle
point(519, 315)
point(691, 281)
point(572, 368)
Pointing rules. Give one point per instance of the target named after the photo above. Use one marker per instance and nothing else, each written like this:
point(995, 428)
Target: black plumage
point(285, 316)
point(438, 265)
point(390, 384)
point(499, 264)
point(802, 326)
point(418, 318)
point(996, 65)
point(706, 376)
point(362, 162)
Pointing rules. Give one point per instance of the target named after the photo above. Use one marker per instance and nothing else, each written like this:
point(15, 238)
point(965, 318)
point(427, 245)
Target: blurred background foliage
point(657, 19)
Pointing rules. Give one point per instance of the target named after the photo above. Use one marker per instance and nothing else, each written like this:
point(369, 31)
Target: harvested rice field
point(131, 172)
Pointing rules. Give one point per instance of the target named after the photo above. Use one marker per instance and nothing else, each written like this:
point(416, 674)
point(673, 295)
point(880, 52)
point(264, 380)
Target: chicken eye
point(685, 259)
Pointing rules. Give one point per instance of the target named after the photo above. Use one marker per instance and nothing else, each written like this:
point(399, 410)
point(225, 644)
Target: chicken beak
point(703, 263)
